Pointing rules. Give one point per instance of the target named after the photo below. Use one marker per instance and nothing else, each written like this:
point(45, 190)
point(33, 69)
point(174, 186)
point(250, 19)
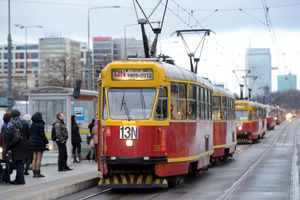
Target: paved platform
point(55, 184)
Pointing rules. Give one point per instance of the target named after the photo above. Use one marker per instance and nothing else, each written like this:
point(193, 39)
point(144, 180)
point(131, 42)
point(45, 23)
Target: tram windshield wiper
point(143, 102)
point(123, 103)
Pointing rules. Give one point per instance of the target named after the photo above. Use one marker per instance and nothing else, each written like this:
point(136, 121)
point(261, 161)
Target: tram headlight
point(239, 127)
point(129, 143)
point(275, 118)
point(1, 149)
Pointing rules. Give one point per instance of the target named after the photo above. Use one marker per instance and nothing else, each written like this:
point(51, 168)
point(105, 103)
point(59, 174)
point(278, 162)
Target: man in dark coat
point(76, 140)
point(61, 139)
point(18, 148)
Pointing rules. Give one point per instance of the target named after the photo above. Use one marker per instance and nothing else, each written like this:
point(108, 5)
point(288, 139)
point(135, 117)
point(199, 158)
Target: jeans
point(62, 155)
point(20, 171)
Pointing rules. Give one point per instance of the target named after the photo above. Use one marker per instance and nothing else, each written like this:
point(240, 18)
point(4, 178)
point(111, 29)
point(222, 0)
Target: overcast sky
point(238, 24)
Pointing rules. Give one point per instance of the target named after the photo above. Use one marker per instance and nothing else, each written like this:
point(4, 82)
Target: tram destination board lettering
point(132, 74)
point(129, 132)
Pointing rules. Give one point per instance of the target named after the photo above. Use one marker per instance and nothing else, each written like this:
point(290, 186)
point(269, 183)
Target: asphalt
point(55, 184)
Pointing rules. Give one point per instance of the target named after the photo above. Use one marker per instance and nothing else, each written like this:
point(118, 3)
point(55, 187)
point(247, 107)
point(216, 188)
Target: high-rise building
point(259, 80)
point(132, 48)
point(18, 65)
point(287, 82)
point(59, 61)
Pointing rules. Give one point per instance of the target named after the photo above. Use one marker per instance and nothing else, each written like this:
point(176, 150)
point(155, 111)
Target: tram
point(156, 121)
point(280, 115)
point(224, 126)
point(271, 117)
point(250, 121)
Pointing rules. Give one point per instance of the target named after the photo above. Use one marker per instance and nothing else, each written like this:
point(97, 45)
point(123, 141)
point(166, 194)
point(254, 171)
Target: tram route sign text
point(132, 74)
point(129, 132)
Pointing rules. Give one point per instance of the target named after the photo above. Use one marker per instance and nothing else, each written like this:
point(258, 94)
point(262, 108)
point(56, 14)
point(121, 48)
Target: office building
point(287, 82)
point(18, 65)
point(59, 61)
point(258, 62)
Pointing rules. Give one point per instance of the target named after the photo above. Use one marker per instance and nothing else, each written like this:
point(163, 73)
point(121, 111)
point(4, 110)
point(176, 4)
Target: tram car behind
point(225, 141)
point(271, 117)
point(156, 124)
point(250, 121)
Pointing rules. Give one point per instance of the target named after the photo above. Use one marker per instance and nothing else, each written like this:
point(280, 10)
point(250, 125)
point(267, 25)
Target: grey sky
point(234, 28)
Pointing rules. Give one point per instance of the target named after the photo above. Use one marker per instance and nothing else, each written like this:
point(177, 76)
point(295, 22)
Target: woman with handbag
point(37, 142)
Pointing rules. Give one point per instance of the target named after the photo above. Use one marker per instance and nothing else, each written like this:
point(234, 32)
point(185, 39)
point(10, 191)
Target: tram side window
point(216, 113)
point(250, 118)
point(161, 110)
point(209, 105)
point(224, 111)
point(203, 109)
point(178, 101)
point(192, 102)
point(104, 116)
point(199, 110)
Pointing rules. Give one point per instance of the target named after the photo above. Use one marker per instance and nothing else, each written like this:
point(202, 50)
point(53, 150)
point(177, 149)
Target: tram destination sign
point(132, 74)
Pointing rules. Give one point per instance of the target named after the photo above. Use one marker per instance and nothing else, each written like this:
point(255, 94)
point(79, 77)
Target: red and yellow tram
point(251, 121)
point(271, 117)
point(280, 115)
point(224, 142)
point(156, 121)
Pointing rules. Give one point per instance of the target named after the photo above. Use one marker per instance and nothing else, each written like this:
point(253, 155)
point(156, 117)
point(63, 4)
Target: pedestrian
point(5, 147)
point(95, 133)
point(27, 153)
point(88, 140)
point(76, 140)
point(38, 142)
point(61, 139)
point(19, 147)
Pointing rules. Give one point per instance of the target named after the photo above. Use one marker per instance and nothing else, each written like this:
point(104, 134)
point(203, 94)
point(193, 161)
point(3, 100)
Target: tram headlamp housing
point(129, 143)
point(1, 150)
point(239, 126)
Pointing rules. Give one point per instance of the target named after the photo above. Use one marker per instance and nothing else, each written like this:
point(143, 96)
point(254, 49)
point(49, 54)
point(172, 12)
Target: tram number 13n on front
point(128, 132)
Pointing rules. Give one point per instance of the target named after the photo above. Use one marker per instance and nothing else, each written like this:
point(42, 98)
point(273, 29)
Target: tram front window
point(241, 115)
point(131, 103)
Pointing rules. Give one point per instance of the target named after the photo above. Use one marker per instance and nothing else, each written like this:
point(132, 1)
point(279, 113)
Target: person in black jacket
point(76, 140)
point(38, 142)
point(28, 153)
point(18, 148)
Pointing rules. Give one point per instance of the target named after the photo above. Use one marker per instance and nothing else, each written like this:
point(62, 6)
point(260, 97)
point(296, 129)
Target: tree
point(61, 71)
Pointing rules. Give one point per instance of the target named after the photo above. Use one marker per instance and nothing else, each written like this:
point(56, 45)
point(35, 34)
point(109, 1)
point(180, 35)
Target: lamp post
point(26, 28)
point(88, 58)
point(9, 91)
point(125, 40)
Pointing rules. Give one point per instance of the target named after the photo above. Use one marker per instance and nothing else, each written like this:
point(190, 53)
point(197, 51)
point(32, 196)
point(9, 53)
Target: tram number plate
point(128, 132)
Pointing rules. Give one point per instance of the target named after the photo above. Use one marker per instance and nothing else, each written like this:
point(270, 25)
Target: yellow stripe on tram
point(139, 180)
point(115, 178)
point(124, 180)
point(149, 179)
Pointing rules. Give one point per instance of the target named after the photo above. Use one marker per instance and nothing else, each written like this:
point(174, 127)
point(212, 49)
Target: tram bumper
point(132, 181)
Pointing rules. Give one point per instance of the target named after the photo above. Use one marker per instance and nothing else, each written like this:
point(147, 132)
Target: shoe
point(68, 168)
point(62, 170)
point(38, 174)
point(26, 173)
point(16, 183)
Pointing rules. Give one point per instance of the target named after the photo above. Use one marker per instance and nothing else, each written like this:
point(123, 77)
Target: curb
point(60, 191)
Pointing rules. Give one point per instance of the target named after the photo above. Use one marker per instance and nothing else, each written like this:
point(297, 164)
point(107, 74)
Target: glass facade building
point(286, 82)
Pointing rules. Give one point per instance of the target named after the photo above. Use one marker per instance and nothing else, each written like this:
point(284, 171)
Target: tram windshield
point(241, 115)
point(131, 103)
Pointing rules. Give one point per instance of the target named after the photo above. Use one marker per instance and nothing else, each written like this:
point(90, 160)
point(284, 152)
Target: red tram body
point(271, 114)
point(280, 115)
point(156, 124)
point(251, 122)
point(225, 141)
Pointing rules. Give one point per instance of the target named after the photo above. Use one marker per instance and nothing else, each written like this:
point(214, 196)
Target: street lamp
point(88, 53)
point(26, 28)
point(9, 91)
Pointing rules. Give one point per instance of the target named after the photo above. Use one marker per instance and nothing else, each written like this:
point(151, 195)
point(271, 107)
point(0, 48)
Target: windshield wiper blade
point(123, 103)
point(143, 103)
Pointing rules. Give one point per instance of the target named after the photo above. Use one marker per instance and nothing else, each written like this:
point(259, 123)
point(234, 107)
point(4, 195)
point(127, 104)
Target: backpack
point(16, 136)
point(53, 133)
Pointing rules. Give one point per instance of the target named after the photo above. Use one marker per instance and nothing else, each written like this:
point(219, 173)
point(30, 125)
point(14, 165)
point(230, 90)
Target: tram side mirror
point(76, 91)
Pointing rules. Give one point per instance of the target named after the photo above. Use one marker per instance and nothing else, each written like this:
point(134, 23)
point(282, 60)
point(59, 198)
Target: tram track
point(95, 194)
point(227, 193)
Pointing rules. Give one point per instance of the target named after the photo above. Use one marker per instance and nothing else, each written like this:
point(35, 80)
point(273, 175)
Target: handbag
point(92, 145)
point(16, 136)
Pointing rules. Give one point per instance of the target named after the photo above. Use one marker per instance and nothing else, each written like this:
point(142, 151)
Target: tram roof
point(252, 103)
point(222, 91)
point(179, 73)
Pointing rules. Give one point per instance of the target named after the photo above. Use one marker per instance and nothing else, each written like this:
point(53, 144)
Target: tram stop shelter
point(50, 100)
